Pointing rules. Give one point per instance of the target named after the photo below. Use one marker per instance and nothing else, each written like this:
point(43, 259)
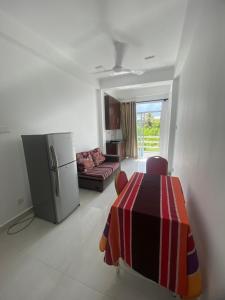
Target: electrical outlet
point(20, 201)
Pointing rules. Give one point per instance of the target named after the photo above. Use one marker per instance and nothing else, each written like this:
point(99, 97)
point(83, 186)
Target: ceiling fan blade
point(103, 71)
point(121, 73)
point(137, 72)
point(119, 53)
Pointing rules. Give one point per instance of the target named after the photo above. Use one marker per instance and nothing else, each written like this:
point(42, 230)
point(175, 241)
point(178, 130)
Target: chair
point(156, 165)
point(120, 181)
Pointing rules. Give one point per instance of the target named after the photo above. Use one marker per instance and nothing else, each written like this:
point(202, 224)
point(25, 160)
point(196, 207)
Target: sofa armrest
point(112, 158)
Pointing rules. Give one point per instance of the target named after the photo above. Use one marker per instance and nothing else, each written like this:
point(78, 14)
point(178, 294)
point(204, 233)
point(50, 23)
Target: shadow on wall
point(209, 257)
point(193, 13)
point(38, 97)
point(200, 236)
point(46, 101)
point(14, 181)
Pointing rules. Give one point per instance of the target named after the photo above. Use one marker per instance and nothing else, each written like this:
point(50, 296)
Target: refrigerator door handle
point(54, 164)
point(56, 182)
point(54, 168)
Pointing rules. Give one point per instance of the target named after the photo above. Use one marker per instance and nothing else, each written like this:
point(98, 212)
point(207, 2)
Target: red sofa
point(95, 170)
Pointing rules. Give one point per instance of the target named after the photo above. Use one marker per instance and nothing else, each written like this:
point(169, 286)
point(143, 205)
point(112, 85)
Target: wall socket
point(20, 201)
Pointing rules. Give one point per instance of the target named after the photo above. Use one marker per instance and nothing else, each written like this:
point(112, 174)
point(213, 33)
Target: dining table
point(149, 229)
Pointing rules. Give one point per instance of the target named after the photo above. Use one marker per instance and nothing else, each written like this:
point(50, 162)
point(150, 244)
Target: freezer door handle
point(54, 164)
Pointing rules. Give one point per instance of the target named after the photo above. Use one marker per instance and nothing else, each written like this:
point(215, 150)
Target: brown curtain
point(129, 129)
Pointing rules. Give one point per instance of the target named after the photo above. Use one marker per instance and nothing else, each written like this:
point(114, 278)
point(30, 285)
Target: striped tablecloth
point(149, 229)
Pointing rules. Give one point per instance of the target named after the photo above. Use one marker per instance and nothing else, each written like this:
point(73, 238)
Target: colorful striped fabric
point(149, 229)
point(100, 172)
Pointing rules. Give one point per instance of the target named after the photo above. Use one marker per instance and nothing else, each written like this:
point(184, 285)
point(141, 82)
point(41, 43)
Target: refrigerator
point(52, 173)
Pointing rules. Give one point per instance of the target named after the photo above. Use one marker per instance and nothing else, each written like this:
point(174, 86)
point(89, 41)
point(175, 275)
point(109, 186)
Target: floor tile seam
point(88, 286)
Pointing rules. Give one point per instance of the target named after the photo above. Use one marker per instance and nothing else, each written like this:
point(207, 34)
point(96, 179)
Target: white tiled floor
point(62, 262)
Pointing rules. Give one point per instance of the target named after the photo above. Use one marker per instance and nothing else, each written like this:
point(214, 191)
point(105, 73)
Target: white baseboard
point(14, 219)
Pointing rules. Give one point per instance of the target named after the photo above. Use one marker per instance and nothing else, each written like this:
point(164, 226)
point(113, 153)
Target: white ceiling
point(84, 29)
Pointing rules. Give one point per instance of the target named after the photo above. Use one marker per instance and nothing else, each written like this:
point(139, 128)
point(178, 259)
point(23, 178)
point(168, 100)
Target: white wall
point(37, 97)
point(200, 144)
point(165, 127)
point(173, 102)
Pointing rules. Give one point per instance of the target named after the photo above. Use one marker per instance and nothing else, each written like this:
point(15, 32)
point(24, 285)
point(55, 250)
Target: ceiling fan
point(118, 68)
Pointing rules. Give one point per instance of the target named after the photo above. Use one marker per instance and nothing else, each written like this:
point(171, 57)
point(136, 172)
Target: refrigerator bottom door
point(65, 190)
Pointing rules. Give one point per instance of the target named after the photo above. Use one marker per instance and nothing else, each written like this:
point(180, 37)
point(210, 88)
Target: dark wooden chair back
point(120, 181)
point(156, 165)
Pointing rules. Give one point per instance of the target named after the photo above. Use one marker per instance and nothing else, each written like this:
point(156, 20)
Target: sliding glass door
point(148, 128)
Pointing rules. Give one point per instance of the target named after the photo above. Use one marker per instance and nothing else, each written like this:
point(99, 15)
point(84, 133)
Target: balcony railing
point(148, 143)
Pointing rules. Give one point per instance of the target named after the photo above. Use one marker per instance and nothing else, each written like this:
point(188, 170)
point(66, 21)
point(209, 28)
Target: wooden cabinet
point(112, 113)
point(116, 148)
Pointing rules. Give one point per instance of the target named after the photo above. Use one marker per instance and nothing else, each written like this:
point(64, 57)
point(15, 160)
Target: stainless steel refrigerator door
point(61, 149)
point(65, 190)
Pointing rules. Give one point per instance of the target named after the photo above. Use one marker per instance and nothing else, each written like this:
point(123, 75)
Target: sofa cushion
point(88, 164)
point(84, 161)
point(97, 156)
point(82, 155)
point(113, 165)
point(101, 172)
